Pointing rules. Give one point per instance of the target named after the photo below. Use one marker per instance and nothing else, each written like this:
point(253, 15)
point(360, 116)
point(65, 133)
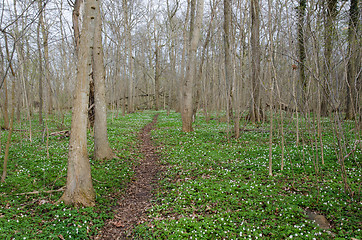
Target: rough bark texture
point(255, 62)
point(102, 150)
point(79, 187)
point(195, 26)
point(132, 208)
point(353, 62)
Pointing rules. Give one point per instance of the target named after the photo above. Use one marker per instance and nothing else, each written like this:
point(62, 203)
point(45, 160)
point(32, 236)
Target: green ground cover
point(35, 216)
point(212, 187)
point(215, 187)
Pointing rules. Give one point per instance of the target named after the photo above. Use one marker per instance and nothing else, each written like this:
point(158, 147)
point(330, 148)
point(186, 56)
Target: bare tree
point(229, 72)
point(127, 26)
point(329, 35)
point(79, 187)
point(187, 98)
point(102, 149)
point(255, 106)
point(353, 71)
point(301, 50)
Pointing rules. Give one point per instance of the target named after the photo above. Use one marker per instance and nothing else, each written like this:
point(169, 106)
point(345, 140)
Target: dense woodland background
point(301, 56)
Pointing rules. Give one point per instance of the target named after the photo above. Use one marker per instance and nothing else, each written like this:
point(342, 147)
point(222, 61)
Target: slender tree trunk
point(195, 26)
point(40, 75)
point(229, 72)
point(353, 61)
point(46, 57)
point(157, 76)
point(301, 50)
point(130, 59)
point(329, 34)
point(5, 105)
point(102, 149)
point(183, 57)
point(202, 61)
point(255, 107)
point(79, 188)
point(8, 142)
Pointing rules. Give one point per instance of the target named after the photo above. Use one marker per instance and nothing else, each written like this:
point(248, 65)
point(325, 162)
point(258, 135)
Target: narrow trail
point(131, 209)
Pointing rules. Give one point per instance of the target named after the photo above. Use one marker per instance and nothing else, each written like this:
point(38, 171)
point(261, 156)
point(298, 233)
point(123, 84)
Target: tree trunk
point(40, 74)
point(46, 58)
point(102, 150)
point(79, 187)
point(329, 34)
point(229, 72)
point(202, 61)
point(157, 76)
point(353, 61)
point(301, 50)
point(5, 105)
point(183, 58)
point(130, 59)
point(255, 107)
point(91, 110)
point(195, 26)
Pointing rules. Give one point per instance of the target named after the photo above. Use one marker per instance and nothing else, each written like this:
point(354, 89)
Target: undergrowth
point(217, 187)
point(24, 215)
point(214, 186)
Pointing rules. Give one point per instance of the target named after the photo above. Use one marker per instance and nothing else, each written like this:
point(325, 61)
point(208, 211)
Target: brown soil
point(132, 207)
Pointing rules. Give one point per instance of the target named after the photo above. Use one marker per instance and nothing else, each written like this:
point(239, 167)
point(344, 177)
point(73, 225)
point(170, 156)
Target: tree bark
point(130, 59)
point(353, 62)
point(255, 107)
point(157, 75)
point(229, 72)
point(40, 74)
point(79, 187)
point(44, 31)
point(195, 26)
point(301, 50)
point(329, 34)
point(102, 150)
point(202, 61)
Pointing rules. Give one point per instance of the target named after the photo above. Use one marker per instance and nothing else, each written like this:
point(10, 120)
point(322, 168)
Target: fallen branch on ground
point(38, 192)
point(64, 132)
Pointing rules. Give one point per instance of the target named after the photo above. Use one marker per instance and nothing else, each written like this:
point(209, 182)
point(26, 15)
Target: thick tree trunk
point(79, 188)
point(102, 150)
point(195, 26)
point(353, 62)
point(255, 108)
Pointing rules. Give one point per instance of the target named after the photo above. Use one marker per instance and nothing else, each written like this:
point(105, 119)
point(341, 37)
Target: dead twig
point(38, 192)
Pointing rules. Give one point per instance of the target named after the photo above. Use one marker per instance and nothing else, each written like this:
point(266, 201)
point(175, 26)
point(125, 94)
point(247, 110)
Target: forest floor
point(133, 205)
point(167, 184)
